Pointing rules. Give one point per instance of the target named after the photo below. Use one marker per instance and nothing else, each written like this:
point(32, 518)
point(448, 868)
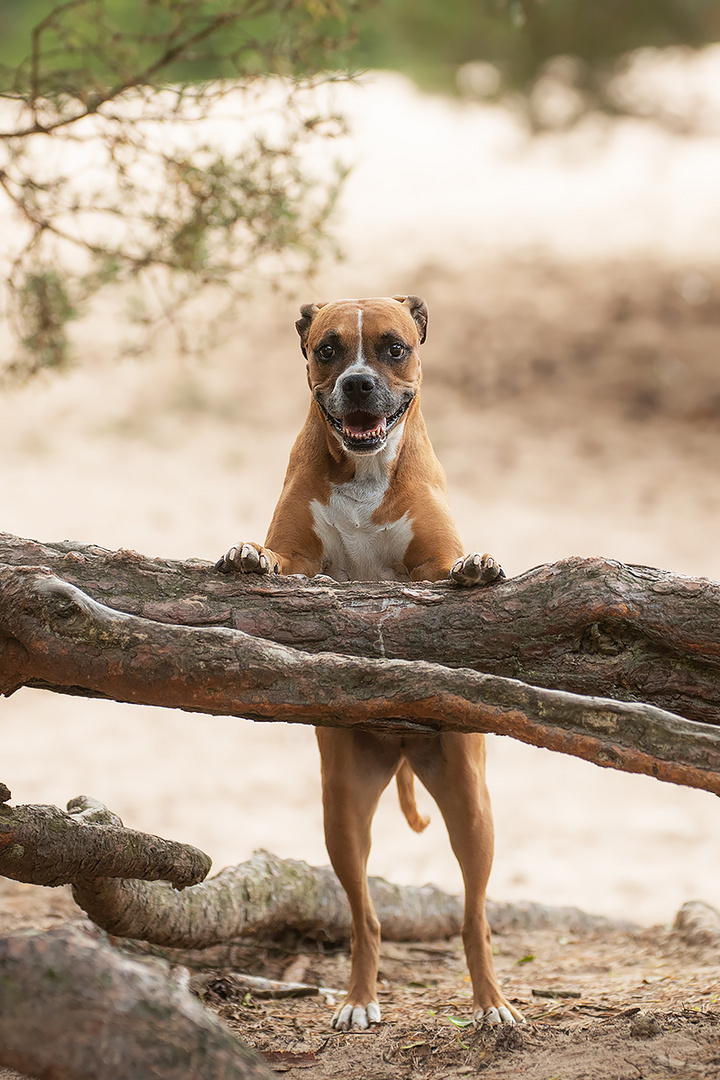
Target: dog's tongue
point(362, 423)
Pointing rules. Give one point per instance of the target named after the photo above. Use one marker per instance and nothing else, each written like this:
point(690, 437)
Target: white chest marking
point(354, 547)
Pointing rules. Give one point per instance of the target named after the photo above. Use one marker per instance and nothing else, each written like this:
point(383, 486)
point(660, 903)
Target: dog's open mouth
point(363, 430)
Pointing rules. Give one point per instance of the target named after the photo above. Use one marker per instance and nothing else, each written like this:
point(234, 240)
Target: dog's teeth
point(363, 436)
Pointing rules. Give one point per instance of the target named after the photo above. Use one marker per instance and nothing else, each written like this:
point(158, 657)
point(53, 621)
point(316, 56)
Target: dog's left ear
point(303, 324)
point(419, 311)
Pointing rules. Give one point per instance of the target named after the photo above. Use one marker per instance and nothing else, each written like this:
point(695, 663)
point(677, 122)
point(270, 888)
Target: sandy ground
point(572, 393)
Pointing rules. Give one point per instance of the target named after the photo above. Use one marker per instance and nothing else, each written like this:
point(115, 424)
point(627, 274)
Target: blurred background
point(176, 179)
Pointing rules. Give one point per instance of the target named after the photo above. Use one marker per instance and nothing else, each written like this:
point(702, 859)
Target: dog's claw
point(476, 569)
point(492, 1017)
point(351, 1016)
point(247, 558)
point(498, 1014)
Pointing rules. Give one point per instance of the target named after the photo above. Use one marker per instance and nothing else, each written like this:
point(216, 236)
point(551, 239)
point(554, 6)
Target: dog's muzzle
point(365, 432)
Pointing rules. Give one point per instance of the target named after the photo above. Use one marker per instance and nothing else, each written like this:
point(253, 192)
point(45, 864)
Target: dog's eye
point(396, 351)
point(326, 352)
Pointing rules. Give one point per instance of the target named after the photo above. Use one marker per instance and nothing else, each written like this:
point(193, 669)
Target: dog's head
point(363, 364)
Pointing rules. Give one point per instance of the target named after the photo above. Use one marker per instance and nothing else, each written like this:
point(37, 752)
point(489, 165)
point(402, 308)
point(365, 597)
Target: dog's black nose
point(358, 386)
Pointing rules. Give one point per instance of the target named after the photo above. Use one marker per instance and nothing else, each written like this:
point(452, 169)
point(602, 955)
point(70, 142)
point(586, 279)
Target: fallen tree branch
point(46, 846)
point(261, 898)
point(392, 903)
point(588, 626)
point(72, 1008)
point(56, 636)
point(239, 984)
point(265, 897)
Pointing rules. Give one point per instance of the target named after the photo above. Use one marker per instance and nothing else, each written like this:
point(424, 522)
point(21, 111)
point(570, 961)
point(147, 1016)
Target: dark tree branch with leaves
point(161, 146)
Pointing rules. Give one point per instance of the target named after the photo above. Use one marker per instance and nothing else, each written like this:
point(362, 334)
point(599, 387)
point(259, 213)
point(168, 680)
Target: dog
point(365, 499)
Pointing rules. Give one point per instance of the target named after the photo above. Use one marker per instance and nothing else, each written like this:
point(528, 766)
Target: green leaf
point(460, 1023)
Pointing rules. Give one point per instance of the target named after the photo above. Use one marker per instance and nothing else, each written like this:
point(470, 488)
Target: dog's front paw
point(476, 569)
point(351, 1016)
point(247, 559)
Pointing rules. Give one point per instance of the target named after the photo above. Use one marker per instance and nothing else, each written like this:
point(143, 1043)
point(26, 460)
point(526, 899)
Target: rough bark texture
point(262, 897)
point(72, 1008)
point(56, 636)
point(437, 914)
point(46, 846)
point(589, 626)
point(265, 896)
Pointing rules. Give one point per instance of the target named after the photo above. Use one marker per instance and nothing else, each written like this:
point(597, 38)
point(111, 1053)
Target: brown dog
point(365, 499)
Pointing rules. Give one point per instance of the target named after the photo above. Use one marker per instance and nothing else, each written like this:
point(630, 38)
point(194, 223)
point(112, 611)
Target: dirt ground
point(572, 391)
point(618, 1004)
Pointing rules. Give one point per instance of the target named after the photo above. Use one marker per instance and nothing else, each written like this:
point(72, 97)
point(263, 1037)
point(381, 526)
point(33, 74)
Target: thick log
point(504, 918)
point(72, 1008)
point(54, 635)
point(262, 898)
point(43, 845)
point(588, 626)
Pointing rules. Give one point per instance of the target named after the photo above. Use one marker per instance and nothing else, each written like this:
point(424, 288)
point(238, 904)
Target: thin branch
point(143, 78)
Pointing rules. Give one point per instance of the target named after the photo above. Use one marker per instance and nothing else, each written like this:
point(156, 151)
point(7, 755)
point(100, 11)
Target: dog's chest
point(354, 547)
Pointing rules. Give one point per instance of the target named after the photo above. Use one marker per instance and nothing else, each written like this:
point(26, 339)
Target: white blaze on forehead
point(359, 365)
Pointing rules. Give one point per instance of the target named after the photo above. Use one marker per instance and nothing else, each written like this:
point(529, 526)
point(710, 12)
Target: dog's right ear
point(303, 324)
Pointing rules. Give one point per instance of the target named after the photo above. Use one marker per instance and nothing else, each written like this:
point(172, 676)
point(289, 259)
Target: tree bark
point(55, 636)
point(72, 1008)
point(263, 898)
point(588, 626)
point(46, 846)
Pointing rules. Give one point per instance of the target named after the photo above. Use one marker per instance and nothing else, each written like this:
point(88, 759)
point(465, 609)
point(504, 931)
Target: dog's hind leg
point(452, 768)
point(356, 768)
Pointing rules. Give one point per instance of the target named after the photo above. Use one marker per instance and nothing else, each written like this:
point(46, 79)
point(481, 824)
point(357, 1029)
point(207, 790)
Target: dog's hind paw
point(476, 569)
point(498, 1014)
point(248, 559)
point(351, 1016)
